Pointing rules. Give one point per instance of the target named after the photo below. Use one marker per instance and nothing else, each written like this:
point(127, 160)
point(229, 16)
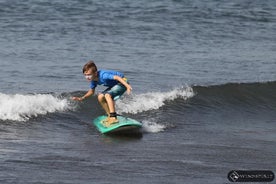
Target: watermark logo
point(251, 176)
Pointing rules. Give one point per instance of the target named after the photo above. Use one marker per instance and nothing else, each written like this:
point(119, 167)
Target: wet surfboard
point(125, 125)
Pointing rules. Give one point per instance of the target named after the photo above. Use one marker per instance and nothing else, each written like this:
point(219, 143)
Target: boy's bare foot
point(110, 121)
point(105, 120)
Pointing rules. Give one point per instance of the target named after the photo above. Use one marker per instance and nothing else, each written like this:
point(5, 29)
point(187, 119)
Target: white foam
point(152, 127)
point(20, 107)
point(151, 100)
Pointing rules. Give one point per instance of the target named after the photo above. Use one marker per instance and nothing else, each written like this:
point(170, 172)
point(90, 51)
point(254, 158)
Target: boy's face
point(89, 75)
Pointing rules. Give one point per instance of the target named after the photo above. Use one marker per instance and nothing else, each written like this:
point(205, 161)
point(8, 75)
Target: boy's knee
point(101, 97)
point(107, 95)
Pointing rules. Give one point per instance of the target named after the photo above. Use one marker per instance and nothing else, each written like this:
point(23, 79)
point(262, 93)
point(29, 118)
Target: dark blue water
point(203, 78)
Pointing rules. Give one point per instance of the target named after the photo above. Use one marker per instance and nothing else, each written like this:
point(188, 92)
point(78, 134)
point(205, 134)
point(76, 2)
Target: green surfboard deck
point(125, 124)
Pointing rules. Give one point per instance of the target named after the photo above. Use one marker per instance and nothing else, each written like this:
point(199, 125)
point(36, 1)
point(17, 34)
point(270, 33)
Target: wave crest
point(20, 107)
point(152, 100)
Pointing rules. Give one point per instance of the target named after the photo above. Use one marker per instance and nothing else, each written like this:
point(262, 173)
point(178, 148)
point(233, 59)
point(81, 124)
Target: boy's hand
point(129, 89)
point(77, 98)
point(89, 93)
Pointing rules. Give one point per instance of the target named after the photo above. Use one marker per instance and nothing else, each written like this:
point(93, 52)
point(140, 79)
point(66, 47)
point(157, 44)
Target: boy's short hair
point(88, 65)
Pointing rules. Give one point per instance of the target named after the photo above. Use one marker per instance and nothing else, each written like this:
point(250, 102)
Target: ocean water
point(203, 78)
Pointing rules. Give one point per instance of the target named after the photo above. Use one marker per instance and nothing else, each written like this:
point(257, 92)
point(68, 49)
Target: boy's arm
point(118, 78)
point(89, 93)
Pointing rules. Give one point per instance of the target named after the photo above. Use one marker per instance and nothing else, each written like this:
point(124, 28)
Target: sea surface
point(203, 75)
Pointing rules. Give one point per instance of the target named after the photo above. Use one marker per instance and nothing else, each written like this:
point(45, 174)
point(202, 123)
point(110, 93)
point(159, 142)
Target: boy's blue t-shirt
point(106, 78)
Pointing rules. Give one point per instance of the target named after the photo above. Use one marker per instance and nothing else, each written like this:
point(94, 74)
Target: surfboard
point(125, 124)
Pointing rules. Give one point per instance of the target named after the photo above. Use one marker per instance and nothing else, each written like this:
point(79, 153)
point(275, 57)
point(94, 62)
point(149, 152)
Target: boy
point(115, 81)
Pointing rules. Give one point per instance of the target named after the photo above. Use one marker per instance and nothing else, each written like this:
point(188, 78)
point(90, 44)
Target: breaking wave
point(152, 100)
point(19, 107)
point(239, 96)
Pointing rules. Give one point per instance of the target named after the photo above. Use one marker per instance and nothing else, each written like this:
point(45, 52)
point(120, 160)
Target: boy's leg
point(110, 102)
point(109, 95)
point(111, 105)
point(103, 102)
